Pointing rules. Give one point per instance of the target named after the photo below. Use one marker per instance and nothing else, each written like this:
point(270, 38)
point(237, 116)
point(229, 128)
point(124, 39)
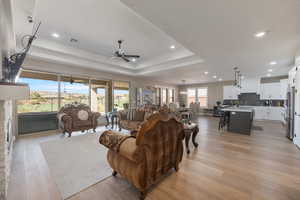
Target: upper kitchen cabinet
point(283, 88)
point(271, 91)
point(230, 92)
point(250, 86)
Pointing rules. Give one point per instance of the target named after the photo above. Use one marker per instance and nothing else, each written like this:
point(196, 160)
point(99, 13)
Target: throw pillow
point(83, 115)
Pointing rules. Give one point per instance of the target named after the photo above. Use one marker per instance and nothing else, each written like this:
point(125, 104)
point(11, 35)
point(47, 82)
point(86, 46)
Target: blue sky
point(52, 86)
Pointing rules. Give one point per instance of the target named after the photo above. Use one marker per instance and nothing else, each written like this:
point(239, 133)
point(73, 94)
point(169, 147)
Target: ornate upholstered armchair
point(144, 159)
point(132, 119)
point(77, 117)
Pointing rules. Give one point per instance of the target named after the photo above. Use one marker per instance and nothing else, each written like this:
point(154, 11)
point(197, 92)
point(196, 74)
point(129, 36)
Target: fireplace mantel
point(14, 91)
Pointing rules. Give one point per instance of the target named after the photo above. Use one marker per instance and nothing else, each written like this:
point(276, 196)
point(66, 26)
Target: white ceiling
point(221, 32)
point(98, 25)
point(209, 35)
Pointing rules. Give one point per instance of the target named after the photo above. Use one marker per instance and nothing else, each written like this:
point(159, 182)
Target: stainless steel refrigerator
point(290, 112)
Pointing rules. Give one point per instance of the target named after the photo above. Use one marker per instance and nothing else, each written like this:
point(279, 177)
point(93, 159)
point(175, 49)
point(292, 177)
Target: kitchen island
point(239, 119)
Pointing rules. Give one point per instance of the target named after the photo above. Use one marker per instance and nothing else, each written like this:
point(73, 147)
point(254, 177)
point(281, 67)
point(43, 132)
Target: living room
point(149, 100)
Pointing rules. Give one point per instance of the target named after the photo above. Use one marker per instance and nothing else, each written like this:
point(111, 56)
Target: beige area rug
point(76, 163)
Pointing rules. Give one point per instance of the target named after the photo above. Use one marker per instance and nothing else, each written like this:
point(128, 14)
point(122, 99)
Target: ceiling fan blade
point(131, 56)
point(127, 60)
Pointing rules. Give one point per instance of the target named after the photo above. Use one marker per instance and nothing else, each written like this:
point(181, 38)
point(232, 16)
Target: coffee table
point(190, 129)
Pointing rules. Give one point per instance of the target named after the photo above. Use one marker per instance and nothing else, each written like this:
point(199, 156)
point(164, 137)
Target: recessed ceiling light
point(172, 47)
point(205, 73)
point(273, 63)
point(220, 79)
point(214, 76)
point(242, 77)
point(55, 35)
point(260, 34)
point(268, 75)
point(133, 59)
point(270, 70)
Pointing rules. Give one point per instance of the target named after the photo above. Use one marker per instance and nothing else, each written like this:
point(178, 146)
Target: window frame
point(109, 99)
point(197, 96)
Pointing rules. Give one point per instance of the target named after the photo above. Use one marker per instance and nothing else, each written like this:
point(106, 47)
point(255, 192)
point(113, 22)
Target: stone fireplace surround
point(9, 93)
point(6, 143)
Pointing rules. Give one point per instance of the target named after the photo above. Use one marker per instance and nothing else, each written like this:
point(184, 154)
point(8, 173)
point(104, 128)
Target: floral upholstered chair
point(77, 117)
point(146, 158)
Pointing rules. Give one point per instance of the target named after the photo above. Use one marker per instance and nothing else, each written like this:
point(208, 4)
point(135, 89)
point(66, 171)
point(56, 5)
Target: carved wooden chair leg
point(114, 173)
point(142, 195)
point(70, 134)
point(176, 167)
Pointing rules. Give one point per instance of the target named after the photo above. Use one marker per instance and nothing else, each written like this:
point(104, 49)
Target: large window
point(171, 95)
point(98, 96)
point(202, 97)
point(45, 87)
point(121, 94)
point(191, 96)
point(43, 93)
point(164, 96)
point(74, 90)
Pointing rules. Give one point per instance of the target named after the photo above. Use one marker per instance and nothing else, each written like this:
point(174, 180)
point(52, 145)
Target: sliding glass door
point(99, 96)
point(120, 94)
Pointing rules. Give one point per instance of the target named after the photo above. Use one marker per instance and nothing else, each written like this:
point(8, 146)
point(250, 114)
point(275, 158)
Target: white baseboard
point(297, 142)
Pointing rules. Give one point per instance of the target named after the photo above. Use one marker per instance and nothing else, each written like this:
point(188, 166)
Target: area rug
point(76, 163)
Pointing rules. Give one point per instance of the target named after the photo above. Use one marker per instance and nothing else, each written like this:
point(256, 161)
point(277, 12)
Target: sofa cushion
point(138, 115)
point(83, 115)
point(81, 123)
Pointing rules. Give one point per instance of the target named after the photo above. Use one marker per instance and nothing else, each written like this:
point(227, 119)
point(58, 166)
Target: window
point(74, 89)
point(171, 95)
point(45, 96)
point(98, 96)
point(191, 96)
point(158, 92)
point(164, 96)
point(121, 94)
point(43, 93)
point(202, 97)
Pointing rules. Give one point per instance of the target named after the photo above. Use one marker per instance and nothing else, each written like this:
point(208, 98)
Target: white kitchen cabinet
point(250, 86)
point(283, 88)
point(230, 92)
point(268, 113)
point(275, 113)
point(270, 91)
point(260, 113)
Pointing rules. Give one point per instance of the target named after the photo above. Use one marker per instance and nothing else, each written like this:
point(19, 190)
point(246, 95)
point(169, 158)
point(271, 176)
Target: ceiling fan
point(121, 54)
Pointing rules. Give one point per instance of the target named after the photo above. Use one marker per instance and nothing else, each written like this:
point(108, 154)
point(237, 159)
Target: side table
point(190, 129)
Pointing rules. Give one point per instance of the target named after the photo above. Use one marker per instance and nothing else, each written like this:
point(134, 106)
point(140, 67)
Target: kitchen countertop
point(238, 109)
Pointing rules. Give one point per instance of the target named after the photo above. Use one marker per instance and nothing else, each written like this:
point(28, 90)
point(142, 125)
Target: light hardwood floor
point(230, 166)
